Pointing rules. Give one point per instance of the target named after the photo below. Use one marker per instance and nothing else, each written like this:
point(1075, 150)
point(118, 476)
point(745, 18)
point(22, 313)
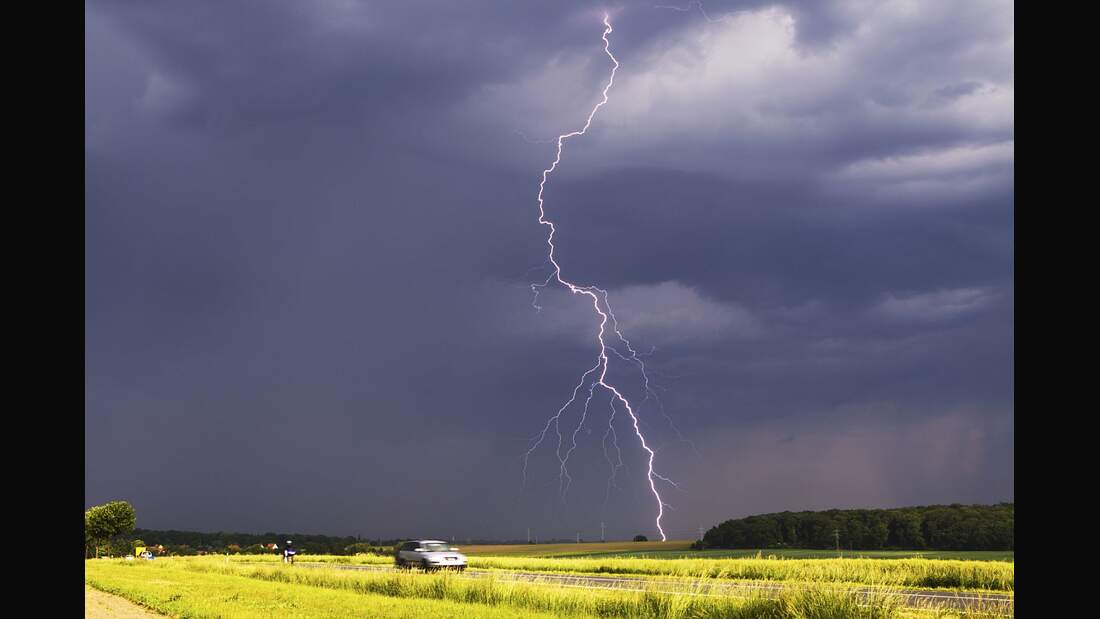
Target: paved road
point(913, 598)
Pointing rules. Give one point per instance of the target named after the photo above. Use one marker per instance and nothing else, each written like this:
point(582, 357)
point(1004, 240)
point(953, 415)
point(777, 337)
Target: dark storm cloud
point(310, 228)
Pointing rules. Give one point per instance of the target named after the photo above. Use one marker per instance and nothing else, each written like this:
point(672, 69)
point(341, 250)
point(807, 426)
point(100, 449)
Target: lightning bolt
point(596, 376)
point(615, 466)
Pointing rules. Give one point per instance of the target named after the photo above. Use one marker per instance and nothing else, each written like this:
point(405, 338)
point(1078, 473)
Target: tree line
point(182, 543)
point(109, 531)
point(939, 527)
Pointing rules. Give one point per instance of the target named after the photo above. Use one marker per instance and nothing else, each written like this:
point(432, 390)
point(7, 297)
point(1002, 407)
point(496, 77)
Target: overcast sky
point(311, 230)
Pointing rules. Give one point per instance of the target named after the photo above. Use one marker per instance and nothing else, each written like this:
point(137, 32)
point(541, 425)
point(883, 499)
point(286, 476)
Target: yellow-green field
point(975, 576)
point(214, 587)
point(176, 588)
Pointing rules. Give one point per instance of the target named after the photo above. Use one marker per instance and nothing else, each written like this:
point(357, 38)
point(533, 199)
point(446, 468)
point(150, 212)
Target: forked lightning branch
point(594, 377)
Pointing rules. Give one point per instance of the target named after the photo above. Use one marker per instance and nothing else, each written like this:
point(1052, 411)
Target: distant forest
point(939, 527)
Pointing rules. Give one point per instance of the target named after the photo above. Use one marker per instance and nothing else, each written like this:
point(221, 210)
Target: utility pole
point(836, 535)
point(602, 536)
point(528, 535)
point(578, 537)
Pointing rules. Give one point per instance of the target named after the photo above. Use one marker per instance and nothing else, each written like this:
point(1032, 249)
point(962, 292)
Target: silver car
point(428, 554)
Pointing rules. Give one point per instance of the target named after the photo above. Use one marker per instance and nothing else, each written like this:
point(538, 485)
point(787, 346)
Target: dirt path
point(98, 604)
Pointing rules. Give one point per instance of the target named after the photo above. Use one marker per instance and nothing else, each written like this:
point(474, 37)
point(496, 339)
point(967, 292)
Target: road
point(910, 597)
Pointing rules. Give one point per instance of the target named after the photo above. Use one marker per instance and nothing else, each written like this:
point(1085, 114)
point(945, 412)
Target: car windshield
point(435, 547)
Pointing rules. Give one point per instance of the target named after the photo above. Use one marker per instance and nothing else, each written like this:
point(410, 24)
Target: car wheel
point(427, 566)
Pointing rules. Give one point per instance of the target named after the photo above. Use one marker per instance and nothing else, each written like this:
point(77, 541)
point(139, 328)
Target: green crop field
point(913, 573)
point(214, 587)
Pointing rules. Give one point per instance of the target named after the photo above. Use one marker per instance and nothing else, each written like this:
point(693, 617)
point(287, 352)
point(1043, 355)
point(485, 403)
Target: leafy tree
point(905, 529)
point(89, 536)
point(103, 522)
point(641, 538)
point(119, 547)
point(877, 533)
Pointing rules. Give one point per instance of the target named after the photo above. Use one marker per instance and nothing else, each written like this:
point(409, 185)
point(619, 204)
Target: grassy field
point(211, 587)
point(913, 573)
point(920, 573)
point(178, 591)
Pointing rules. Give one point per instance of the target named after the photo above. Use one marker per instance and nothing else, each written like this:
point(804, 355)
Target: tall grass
point(914, 573)
point(931, 573)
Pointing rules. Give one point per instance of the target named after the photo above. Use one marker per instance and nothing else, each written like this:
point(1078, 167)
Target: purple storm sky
point(311, 227)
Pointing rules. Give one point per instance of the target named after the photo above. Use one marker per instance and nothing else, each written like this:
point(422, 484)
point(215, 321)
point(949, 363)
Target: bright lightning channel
point(602, 307)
